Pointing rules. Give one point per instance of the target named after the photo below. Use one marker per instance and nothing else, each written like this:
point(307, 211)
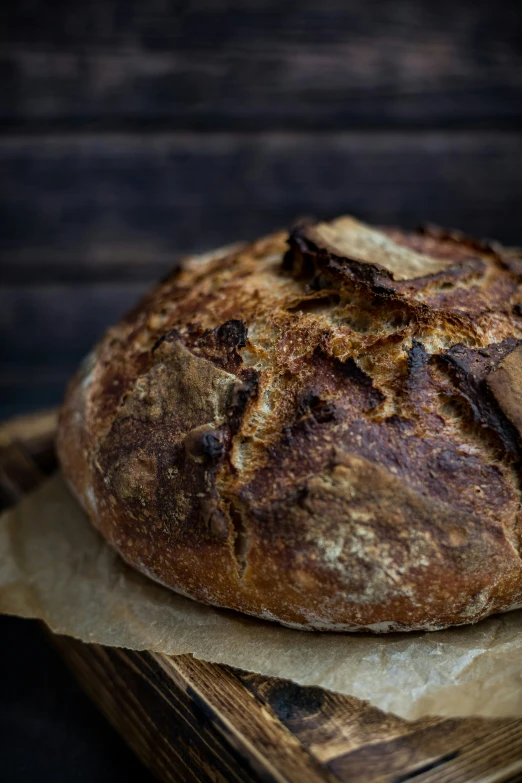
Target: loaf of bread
point(322, 429)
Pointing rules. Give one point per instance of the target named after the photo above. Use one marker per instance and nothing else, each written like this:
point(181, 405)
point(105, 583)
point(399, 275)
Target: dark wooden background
point(132, 132)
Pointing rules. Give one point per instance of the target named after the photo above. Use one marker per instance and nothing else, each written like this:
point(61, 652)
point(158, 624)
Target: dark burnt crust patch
point(232, 334)
point(350, 370)
point(309, 256)
point(471, 369)
point(418, 389)
point(417, 362)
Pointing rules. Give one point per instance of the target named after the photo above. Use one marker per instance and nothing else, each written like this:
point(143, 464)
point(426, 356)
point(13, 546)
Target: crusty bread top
point(341, 406)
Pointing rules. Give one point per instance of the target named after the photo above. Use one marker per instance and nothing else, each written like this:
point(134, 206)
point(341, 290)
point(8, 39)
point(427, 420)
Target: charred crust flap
point(308, 258)
point(490, 392)
point(369, 250)
point(388, 262)
point(505, 382)
point(299, 258)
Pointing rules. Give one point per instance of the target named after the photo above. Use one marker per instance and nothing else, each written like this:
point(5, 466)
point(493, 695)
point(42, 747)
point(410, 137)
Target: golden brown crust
point(320, 429)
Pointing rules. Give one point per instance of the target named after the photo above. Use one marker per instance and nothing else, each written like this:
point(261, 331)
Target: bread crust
point(320, 428)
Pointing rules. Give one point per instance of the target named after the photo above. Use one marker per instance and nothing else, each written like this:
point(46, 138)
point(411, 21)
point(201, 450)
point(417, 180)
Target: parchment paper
point(55, 567)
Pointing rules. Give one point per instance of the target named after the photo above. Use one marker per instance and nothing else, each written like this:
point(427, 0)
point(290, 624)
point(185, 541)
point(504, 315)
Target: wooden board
point(193, 721)
point(251, 64)
point(76, 207)
point(47, 331)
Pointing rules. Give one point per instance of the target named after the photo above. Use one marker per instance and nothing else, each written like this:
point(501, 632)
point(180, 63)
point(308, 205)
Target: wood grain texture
point(49, 329)
point(193, 721)
point(160, 721)
point(126, 206)
point(53, 326)
point(263, 64)
point(248, 725)
point(350, 737)
point(28, 388)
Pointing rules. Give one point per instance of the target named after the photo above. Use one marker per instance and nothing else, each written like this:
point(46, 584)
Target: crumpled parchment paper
point(54, 566)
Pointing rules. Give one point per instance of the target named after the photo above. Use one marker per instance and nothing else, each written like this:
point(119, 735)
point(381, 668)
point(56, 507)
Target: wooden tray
point(194, 721)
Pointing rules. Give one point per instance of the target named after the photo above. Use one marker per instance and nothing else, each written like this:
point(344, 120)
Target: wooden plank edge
point(250, 726)
point(156, 721)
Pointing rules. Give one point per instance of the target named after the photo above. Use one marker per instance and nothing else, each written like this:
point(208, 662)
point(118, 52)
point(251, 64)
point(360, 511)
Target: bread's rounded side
point(296, 441)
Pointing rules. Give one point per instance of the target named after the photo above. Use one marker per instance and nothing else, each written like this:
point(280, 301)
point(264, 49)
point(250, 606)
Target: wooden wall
point(133, 132)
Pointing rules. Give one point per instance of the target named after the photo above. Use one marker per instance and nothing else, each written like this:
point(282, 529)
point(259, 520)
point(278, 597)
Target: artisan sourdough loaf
point(321, 428)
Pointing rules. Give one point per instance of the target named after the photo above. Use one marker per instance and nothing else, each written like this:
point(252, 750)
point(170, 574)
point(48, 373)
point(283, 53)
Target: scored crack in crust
point(322, 429)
